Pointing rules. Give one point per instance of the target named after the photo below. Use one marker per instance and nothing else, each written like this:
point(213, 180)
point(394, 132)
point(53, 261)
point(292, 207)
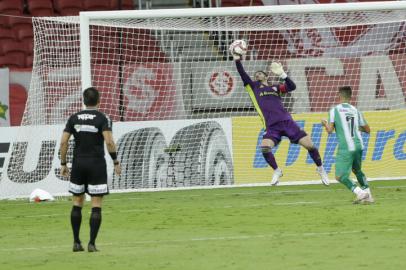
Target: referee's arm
point(64, 151)
point(111, 147)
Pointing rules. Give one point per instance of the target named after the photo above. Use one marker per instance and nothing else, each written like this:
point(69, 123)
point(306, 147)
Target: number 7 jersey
point(347, 121)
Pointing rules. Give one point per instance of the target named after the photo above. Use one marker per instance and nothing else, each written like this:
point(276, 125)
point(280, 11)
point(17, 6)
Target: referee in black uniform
point(90, 129)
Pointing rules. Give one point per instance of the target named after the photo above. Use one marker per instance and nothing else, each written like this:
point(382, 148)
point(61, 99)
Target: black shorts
point(88, 175)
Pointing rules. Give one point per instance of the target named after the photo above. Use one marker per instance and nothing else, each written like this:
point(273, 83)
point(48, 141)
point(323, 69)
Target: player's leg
point(266, 147)
point(76, 221)
point(95, 222)
point(344, 160)
point(307, 143)
point(97, 188)
point(271, 138)
point(77, 188)
point(297, 135)
point(361, 178)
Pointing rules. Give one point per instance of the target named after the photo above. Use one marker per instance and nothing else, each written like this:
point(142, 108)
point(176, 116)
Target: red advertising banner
point(149, 92)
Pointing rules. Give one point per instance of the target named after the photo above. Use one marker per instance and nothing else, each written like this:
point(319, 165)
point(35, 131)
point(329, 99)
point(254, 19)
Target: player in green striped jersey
point(348, 124)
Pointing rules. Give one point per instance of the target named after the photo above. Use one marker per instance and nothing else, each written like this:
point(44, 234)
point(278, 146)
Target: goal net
point(181, 115)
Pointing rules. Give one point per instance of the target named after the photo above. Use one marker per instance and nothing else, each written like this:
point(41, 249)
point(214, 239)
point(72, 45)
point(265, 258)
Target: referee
point(90, 129)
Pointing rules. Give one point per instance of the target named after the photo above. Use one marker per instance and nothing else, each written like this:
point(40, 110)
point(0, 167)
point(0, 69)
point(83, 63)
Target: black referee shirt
point(87, 127)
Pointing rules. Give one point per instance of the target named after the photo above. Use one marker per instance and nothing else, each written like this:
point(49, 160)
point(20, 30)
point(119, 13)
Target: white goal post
point(182, 117)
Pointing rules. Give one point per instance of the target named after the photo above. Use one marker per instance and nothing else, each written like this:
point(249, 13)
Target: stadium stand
point(16, 25)
point(40, 8)
point(68, 7)
point(125, 4)
point(97, 4)
point(6, 34)
point(13, 48)
point(11, 7)
point(16, 61)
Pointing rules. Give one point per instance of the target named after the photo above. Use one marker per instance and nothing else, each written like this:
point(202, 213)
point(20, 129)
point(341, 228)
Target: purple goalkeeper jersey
point(267, 99)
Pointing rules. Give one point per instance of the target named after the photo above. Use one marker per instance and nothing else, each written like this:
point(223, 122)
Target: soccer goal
point(181, 115)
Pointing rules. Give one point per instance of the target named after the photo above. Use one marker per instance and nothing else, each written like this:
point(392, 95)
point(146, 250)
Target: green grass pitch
point(287, 227)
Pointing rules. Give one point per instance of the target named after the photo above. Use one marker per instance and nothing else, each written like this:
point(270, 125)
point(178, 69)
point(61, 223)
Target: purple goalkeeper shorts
point(287, 128)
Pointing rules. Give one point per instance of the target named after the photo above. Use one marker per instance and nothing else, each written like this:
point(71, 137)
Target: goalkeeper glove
point(236, 56)
point(277, 69)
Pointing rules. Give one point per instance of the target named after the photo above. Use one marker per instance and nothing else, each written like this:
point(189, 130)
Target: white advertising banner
point(153, 154)
point(4, 98)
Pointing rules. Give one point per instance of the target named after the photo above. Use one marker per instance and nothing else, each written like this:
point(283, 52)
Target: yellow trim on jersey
point(254, 101)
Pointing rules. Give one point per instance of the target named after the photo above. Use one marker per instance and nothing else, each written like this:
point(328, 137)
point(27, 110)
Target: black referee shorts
point(88, 175)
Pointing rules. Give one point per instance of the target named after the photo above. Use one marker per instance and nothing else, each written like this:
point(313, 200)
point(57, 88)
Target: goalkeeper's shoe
point(323, 175)
point(77, 247)
point(92, 248)
point(276, 175)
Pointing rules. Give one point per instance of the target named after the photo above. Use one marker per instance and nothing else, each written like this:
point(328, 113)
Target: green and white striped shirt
point(347, 120)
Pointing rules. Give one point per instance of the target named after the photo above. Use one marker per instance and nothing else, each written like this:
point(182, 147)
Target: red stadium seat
point(6, 34)
point(25, 33)
point(12, 61)
point(40, 7)
point(125, 4)
point(68, 7)
point(29, 60)
point(29, 43)
point(12, 7)
point(13, 48)
point(4, 21)
point(17, 23)
point(96, 4)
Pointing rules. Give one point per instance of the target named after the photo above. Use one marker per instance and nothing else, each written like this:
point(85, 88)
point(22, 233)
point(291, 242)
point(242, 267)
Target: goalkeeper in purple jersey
point(276, 119)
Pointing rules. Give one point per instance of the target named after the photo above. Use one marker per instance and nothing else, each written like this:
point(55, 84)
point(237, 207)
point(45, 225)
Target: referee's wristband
point(116, 162)
point(113, 155)
point(63, 163)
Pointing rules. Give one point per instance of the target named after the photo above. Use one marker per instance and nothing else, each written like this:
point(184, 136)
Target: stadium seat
point(125, 4)
point(4, 21)
point(11, 7)
point(13, 49)
point(96, 4)
point(29, 60)
point(25, 33)
point(12, 61)
point(40, 7)
point(6, 34)
point(17, 23)
point(68, 7)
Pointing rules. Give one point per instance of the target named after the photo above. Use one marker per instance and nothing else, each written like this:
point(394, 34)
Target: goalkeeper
point(276, 119)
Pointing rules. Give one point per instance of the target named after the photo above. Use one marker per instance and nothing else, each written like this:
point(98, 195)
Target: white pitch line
point(24, 203)
point(202, 239)
point(295, 203)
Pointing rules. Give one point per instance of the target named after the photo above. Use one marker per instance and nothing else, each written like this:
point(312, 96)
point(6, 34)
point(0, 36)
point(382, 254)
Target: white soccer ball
point(239, 47)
